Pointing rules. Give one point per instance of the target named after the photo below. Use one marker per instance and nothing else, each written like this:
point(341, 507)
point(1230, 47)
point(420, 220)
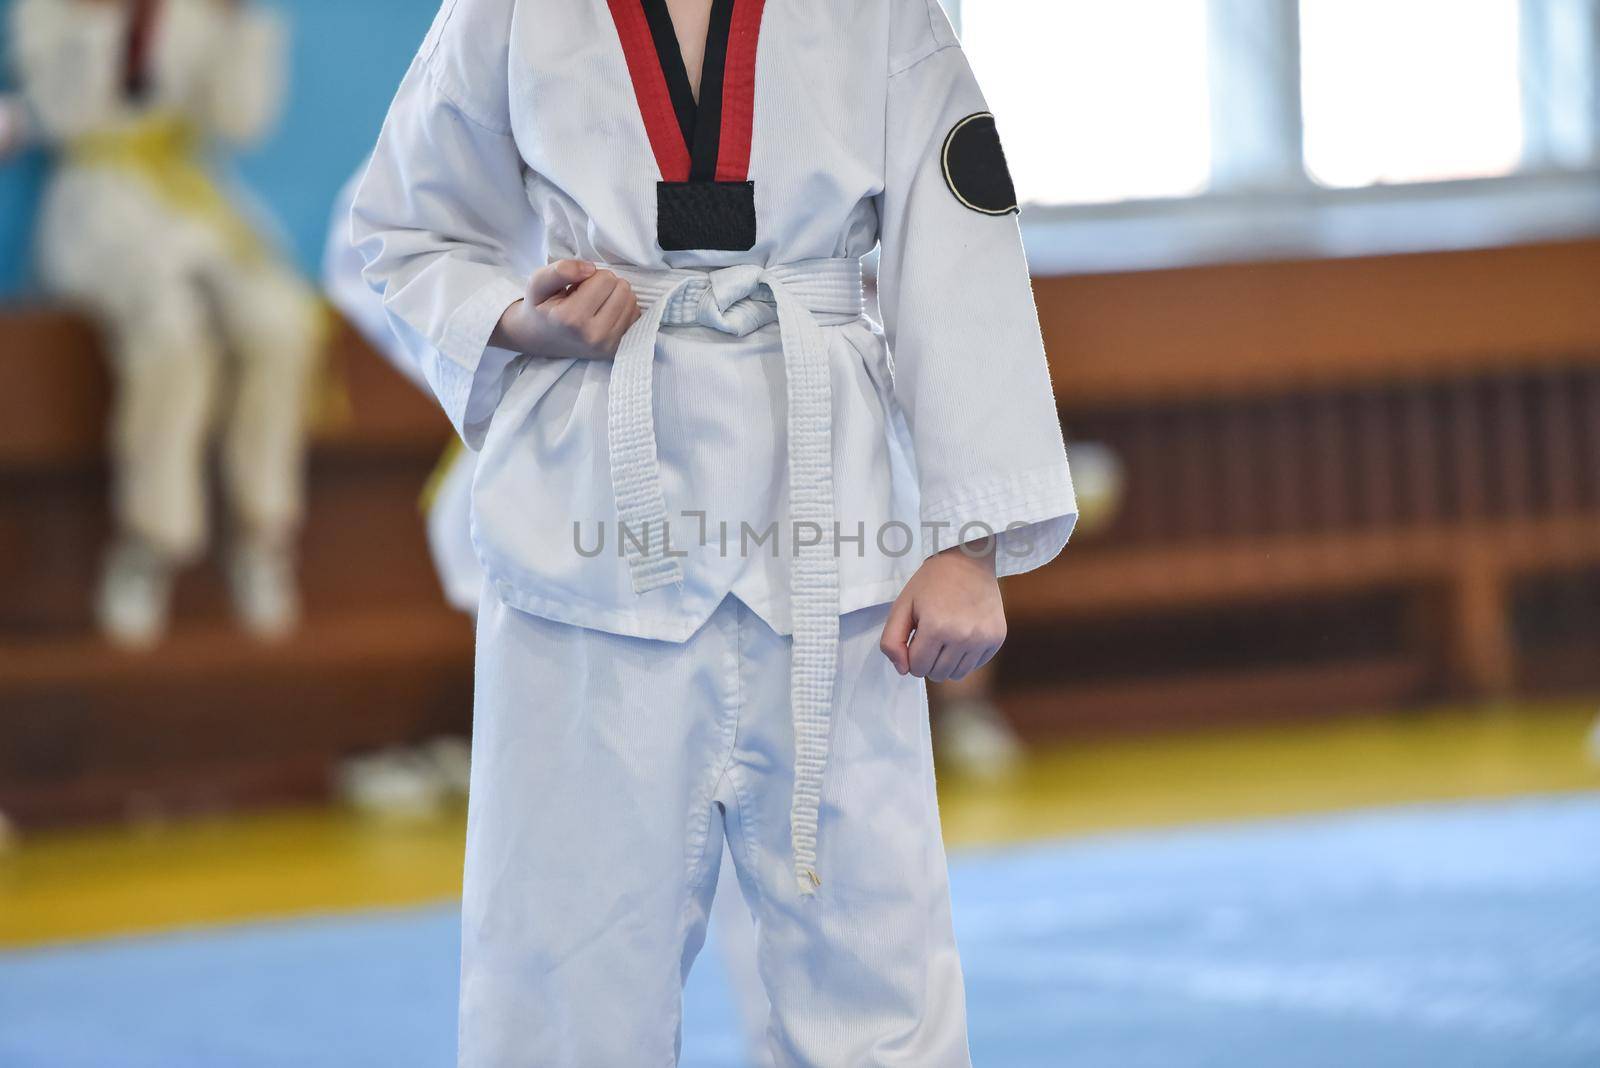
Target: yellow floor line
point(98, 883)
point(1438, 755)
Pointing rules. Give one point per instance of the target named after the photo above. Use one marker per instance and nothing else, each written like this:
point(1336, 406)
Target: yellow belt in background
point(164, 152)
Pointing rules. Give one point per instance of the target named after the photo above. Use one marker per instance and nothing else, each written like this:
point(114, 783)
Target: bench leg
point(1482, 654)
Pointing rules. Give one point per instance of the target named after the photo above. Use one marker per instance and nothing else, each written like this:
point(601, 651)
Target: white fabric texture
point(732, 928)
point(606, 772)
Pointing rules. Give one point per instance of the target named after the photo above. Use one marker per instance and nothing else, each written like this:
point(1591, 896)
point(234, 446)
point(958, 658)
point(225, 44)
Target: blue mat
point(1455, 936)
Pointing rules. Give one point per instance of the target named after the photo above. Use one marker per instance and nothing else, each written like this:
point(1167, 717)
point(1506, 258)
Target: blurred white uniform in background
point(136, 233)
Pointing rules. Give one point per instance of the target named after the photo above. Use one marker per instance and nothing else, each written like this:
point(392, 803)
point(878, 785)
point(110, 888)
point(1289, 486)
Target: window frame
point(1262, 203)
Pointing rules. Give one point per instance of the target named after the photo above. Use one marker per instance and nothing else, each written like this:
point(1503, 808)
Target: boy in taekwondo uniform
point(724, 538)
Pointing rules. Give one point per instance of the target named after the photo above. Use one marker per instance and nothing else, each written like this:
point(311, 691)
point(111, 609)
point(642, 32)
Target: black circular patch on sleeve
point(975, 166)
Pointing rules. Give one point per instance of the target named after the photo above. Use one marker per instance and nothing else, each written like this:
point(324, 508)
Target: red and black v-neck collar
point(709, 141)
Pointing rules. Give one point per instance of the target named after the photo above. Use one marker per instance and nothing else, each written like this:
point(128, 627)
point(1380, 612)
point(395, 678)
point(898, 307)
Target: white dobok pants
point(606, 772)
point(170, 393)
point(200, 341)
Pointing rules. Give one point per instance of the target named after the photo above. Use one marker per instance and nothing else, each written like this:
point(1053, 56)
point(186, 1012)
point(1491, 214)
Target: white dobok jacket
point(752, 435)
point(521, 118)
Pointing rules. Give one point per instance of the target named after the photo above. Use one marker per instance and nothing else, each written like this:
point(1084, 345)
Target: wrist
point(511, 332)
point(979, 554)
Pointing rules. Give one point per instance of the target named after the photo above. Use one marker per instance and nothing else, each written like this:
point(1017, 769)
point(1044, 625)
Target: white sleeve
point(958, 311)
point(244, 89)
point(68, 61)
point(348, 292)
point(442, 218)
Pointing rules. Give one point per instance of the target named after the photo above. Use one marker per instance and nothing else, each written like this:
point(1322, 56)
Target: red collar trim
point(645, 69)
point(739, 92)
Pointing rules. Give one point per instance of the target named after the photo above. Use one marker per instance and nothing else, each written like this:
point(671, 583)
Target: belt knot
point(730, 285)
point(730, 300)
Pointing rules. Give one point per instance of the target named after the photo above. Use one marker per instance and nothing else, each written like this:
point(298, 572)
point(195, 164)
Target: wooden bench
point(1427, 425)
point(1352, 471)
point(211, 719)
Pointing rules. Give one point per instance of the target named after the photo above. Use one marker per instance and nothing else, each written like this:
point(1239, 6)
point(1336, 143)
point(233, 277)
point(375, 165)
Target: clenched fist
point(572, 311)
point(948, 622)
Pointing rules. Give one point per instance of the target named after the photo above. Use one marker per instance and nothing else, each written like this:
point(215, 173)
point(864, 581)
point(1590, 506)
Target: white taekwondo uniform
point(449, 510)
point(135, 231)
point(637, 703)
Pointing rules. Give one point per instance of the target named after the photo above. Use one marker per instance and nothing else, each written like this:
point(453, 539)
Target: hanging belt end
point(656, 574)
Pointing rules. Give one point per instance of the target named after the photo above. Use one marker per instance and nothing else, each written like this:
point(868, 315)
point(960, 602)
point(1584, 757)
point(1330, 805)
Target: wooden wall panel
point(1161, 335)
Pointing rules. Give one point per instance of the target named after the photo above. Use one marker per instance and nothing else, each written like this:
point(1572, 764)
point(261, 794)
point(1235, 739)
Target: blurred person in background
point(134, 95)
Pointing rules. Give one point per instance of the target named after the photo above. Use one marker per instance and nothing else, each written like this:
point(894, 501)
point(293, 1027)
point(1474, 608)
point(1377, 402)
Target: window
point(1109, 100)
point(1096, 100)
point(1410, 90)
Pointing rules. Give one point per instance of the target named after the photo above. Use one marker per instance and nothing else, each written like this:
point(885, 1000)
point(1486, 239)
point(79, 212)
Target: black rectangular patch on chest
point(718, 216)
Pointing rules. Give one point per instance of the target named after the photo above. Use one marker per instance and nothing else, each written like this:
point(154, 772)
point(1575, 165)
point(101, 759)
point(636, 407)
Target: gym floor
point(1418, 888)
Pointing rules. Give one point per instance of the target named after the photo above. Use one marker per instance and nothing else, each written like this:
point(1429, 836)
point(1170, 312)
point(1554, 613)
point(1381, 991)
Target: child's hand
point(953, 605)
point(572, 311)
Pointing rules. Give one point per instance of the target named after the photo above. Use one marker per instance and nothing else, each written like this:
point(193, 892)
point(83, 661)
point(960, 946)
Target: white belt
point(738, 301)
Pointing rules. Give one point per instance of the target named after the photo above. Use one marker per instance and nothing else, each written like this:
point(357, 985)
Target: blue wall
point(348, 59)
